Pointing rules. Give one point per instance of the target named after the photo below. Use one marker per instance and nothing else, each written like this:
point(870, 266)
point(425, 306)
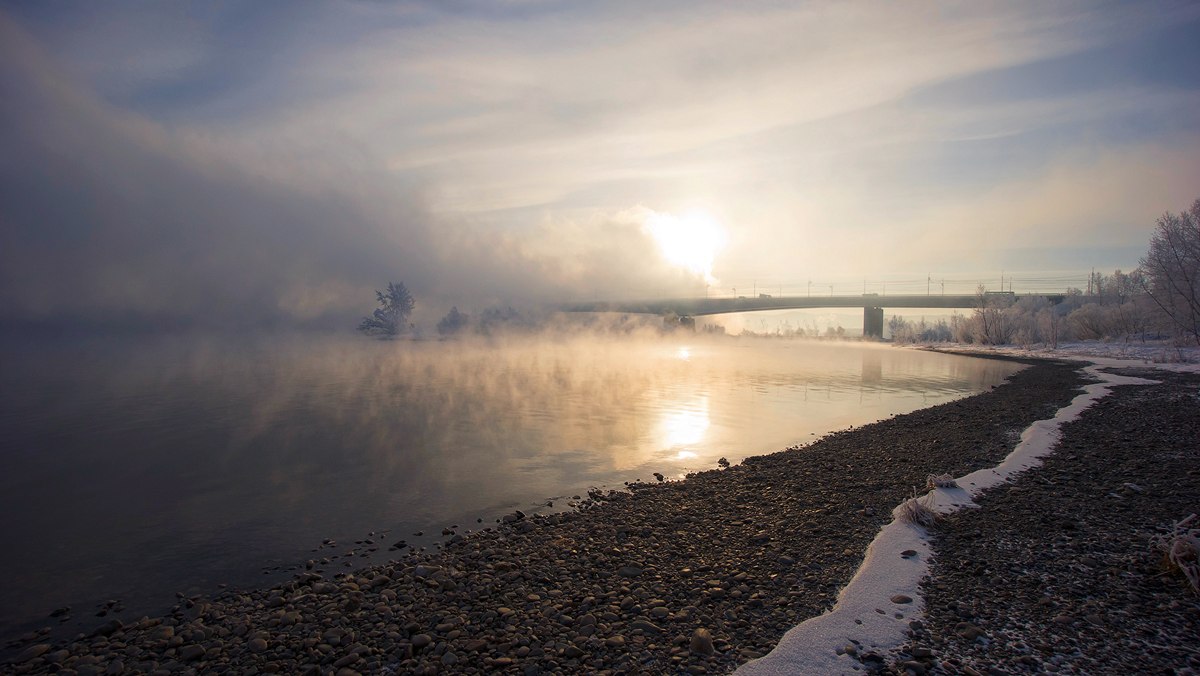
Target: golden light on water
point(684, 427)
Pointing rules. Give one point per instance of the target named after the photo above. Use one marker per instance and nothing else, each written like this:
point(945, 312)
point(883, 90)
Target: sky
point(272, 163)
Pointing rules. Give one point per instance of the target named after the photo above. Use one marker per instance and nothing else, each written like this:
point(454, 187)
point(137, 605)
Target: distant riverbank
point(695, 575)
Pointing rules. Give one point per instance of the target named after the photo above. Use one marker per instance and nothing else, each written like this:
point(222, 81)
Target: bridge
point(872, 305)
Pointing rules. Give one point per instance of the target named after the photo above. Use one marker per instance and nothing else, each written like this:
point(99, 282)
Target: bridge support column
point(872, 322)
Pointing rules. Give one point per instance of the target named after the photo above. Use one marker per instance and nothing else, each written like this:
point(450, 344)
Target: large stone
point(646, 626)
point(701, 642)
point(192, 651)
point(32, 652)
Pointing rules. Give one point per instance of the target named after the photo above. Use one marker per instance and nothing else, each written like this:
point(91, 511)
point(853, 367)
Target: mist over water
point(139, 468)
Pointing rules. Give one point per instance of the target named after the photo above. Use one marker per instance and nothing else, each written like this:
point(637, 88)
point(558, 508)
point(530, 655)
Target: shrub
point(1180, 549)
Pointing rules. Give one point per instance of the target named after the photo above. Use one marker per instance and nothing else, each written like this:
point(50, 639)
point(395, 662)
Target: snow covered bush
point(1181, 550)
point(940, 481)
point(914, 511)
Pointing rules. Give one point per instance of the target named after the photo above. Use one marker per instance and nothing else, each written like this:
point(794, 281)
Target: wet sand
point(695, 576)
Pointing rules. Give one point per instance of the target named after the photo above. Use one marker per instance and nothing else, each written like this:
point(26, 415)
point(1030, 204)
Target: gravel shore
point(1057, 572)
point(695, 576)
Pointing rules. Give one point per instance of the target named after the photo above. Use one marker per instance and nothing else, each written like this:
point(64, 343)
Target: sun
point(690, 240)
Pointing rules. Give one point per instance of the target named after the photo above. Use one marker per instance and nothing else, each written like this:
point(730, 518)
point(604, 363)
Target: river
point(135, 469)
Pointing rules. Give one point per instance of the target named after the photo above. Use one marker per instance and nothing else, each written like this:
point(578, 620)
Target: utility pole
point(943, 286)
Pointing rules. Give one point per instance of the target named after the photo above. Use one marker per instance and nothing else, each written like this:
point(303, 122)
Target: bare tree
point(1172, 270)
point(391, 317)
point(992, 323)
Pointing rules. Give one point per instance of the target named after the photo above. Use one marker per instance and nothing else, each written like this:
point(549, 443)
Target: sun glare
point(690, 240)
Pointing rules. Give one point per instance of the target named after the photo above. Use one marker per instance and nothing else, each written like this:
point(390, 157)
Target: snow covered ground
point(1154, 354)
point(874, 609)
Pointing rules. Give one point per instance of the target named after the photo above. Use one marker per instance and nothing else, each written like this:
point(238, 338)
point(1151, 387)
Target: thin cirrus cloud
point(265, 162)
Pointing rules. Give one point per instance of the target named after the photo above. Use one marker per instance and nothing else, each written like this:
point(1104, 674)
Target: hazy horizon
point(273, 163)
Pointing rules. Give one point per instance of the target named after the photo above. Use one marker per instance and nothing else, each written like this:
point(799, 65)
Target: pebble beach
point(705, 574)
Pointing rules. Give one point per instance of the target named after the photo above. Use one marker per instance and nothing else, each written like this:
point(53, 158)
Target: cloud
point(233, 164)
point(109, 217)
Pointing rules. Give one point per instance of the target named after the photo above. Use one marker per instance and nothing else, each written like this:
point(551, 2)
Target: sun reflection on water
point(684, 426)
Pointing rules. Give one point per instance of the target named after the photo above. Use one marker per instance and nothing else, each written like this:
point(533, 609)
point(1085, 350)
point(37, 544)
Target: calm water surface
point(135, 470)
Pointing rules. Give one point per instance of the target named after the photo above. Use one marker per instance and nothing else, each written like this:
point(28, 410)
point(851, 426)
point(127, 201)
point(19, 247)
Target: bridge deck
point(715, 306)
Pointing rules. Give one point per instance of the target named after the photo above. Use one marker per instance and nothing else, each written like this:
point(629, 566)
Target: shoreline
point(743, 554)
point(857, 633)
point(1058, 570)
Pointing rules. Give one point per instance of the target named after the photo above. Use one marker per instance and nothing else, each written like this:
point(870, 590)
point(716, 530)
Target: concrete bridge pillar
point(873, 322)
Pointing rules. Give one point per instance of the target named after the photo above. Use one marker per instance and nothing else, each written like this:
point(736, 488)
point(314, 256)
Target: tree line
point(1160, 299)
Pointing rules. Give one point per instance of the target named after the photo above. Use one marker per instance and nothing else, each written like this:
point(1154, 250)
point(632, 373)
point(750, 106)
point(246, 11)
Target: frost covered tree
point(454, 322)
point(992, 324)
point(1172, 270)
point(391, 317)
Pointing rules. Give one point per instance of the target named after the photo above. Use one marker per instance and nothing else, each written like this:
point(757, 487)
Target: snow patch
point(871, 613)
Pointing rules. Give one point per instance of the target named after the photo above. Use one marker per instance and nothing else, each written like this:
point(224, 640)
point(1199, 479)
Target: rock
point(572, 651)
point(192, 651)
point(421, 640)
point(901, 599)
point(701, 642)
point(449, 659)
point(908, 553)
point(1063, 620)
point(968, 631)
point(256, 645)
point(648, 627)
point(423, 571)
point(32, 652)
point(615, 642)
point(108, 628)
point(629, 571)
point(723, 462)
